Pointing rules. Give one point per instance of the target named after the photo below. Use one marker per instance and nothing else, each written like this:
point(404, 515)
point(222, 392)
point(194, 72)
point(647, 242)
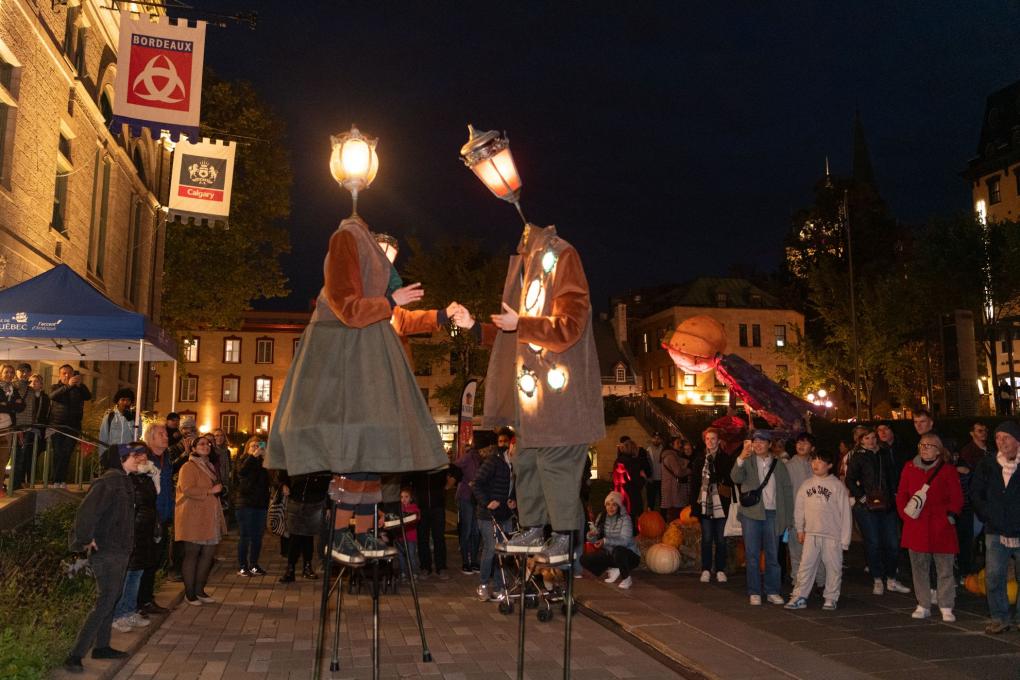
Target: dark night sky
point(665, 140)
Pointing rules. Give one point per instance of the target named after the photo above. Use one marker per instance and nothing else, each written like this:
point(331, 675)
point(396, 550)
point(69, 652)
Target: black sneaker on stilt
point(346, 550)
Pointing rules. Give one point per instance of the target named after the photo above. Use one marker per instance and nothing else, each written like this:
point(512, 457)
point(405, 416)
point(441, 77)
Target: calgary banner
point(159, 74)
point(202, 177)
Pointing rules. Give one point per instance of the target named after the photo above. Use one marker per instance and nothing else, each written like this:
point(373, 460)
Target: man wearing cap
point(995, 494)
point(764, 521)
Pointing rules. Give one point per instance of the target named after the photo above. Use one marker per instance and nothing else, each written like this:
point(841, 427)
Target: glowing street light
point(488, 155)
point(354, 162)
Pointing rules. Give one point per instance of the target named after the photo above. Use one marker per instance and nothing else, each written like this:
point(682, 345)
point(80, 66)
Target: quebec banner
point(201, 181)
point(159, 74)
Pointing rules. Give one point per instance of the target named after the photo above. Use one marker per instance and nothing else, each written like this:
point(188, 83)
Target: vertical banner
point(159, 74)
point(465, 425)
point(202, 178)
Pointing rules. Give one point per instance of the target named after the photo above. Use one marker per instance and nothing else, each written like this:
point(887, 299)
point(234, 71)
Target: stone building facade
point(71, 189)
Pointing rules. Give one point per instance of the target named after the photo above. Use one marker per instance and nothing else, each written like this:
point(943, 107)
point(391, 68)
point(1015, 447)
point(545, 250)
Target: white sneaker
point(775, 599)
point(122, 625)
point(947, 615)
point(878, 588)
point(138, 621)
point(626, 583)
point(920, 613)
point(894, 586)
point(720, 576)
point(706, 576)
point(755, 600)
point(611, 575)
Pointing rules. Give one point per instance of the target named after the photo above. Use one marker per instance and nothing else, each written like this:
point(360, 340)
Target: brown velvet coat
point(554, 329)
point(197, 512)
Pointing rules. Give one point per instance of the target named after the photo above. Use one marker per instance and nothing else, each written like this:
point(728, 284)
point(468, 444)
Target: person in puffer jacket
point(618, 553)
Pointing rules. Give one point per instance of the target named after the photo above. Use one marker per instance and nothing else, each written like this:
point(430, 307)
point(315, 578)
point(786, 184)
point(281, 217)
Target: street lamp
point(353, 162)
point(488, 155)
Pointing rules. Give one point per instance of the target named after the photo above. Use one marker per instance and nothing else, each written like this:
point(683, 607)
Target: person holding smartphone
point(67, 408)
point(251, 506)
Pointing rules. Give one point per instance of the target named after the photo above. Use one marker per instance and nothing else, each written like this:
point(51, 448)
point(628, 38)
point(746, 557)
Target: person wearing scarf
point(198, 520)
point(711, 491)
point(995, 494)
point(932, 535)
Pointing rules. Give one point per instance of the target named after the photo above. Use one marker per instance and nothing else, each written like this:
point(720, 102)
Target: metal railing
point(651, 416)
point(82, 473)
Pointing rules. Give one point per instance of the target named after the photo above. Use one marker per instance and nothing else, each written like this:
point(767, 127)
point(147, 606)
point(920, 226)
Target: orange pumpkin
point(589, 548)
point(674, 536)
point(972, 585)
point(685, 517)
point(1011, 591)
point(651, 524)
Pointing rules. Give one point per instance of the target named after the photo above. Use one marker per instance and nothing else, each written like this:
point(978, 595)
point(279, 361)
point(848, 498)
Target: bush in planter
point(43, 604)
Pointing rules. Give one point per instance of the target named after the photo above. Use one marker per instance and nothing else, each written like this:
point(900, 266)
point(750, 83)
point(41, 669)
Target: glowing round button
point(535, 297)
point(556, 378)
point(548, 261)
point(527, 383)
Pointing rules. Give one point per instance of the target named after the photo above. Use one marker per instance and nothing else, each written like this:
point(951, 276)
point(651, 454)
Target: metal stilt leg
point(569, 603)
point(426, 655)
point(520, 626)
point(324, 602)
point(334, 664)
point(375, 601)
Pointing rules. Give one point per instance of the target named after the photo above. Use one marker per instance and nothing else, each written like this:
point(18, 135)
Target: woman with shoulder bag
point(306, 505)
point(765, 512)
point(198, 520)
point(870, 477)
point(928, 499)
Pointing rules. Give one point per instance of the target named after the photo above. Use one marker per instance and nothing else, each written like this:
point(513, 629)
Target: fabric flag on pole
point(465, 429)
point(159, 74)
point(201, 180)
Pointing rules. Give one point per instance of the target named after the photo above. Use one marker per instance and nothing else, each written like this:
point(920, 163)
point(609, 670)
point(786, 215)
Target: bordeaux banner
point(159, 74)
point(202, 177)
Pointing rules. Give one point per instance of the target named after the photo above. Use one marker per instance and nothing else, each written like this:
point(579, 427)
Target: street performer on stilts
point(543, 379)
point(350, 404)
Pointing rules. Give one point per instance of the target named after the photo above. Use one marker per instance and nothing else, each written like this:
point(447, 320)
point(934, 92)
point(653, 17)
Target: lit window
point(690, 380)
point(228, 421)
point(621, 373)
point(232, 350)
point(264, 351)
point(64, 168)
point(10, 70)
point(660, 377)
point(260, 422)
point(191, 349)
point(780, 336)
point(671, 375)
point(230, 389)
point(189, 388)
point(263, 389)
point(644, 342)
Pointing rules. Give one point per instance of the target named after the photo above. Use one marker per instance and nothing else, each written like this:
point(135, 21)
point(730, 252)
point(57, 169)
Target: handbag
point(732, 528)
point(876, 500)
point(276, 516)
point(753, 497)
point(916, 503)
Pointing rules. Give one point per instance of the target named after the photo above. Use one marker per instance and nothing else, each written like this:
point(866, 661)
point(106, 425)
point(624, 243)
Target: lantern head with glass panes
point(488, 155)
point(354, 162)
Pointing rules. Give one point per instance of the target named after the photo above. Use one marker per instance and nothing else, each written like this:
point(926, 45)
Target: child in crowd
point(822, 520)
point(407, 552)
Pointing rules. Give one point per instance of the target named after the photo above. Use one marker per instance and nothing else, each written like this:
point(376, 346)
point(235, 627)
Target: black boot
point(288, 576)
point(308, 572)
point(72, 664)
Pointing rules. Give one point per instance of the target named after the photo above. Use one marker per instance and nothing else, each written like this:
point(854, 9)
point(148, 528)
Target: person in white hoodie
point(118, 426)
point(822, 520)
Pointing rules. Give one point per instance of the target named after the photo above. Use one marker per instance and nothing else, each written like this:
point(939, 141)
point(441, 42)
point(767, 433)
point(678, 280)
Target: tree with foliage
point(212, 273)
point(462, 272)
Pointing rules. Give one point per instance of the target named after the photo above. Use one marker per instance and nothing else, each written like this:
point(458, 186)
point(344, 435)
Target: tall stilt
point(426, 655)
point(569, 602)
point(523, 557)
point(334, 663)
point(375, 601)
point(324, 602)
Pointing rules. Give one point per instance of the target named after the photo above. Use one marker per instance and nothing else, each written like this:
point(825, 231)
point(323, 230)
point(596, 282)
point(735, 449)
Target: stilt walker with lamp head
point(543, 378)
point(350, 404)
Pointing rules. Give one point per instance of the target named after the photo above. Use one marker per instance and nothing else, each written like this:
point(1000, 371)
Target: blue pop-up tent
point(59, 316)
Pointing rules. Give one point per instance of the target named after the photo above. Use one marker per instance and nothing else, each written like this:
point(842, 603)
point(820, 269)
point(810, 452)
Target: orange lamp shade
point(499, 174)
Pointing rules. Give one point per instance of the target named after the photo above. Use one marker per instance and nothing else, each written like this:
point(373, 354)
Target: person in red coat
point(928, 499)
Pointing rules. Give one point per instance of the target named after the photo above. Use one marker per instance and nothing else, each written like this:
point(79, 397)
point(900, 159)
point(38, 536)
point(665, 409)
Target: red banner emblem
point(160, 72)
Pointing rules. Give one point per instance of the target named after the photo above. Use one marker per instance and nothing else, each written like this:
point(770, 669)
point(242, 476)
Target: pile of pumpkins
point(975, 583)
point(664, 556)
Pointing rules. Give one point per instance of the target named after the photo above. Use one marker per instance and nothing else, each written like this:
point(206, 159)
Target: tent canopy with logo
point(59, 316)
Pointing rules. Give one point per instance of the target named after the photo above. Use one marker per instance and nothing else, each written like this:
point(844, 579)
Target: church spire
point(862, 170)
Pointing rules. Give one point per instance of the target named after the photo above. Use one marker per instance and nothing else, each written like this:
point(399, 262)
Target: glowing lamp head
point(389, 246)
point(556, 378)
point(354, 162)
point(488, 155)
point(527, 383)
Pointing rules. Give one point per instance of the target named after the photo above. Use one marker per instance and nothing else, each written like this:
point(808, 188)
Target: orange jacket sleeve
point(570, 308)
point(343, 287)
point(406, 322)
